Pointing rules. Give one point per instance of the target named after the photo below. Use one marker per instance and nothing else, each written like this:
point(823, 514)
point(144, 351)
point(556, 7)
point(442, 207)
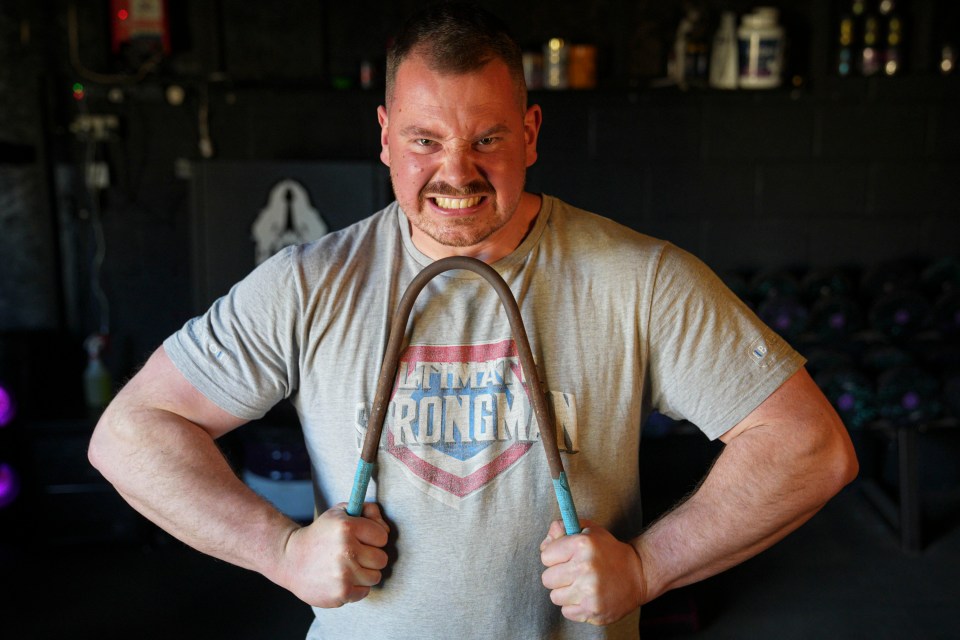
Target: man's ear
point(531, 130)
point(384, 143)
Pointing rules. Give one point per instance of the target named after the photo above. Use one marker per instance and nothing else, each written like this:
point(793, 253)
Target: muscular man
point(460, 507)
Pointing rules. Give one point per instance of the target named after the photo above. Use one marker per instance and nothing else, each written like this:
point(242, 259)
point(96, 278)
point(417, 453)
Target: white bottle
point(723, 58)
point(761, 44)
point(677, 62)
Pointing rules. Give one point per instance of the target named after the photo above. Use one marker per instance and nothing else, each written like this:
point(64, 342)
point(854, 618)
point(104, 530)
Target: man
point(451, 541)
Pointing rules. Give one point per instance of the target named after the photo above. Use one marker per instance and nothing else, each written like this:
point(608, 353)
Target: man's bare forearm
point(156, 444)
point(172, 472)
point(757, 492)
point(767, 482)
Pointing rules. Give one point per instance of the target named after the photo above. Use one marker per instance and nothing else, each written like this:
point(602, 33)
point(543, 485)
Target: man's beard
point(460, 232)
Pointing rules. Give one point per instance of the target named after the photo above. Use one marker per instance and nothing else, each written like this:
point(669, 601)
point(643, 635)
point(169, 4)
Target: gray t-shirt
point(619, 324)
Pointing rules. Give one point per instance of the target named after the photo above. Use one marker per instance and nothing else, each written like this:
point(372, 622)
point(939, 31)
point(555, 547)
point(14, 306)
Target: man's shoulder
point(366, 229)
point(368, 245)
point(362, 238)
point(589, 229)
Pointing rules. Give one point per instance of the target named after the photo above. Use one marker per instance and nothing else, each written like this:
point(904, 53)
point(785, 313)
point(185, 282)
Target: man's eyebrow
point(494, 130)
point(415, 131)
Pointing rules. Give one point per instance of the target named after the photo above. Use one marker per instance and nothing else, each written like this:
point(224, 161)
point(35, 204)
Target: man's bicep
point(798, 432)
point(797, 403)
point(159, 385)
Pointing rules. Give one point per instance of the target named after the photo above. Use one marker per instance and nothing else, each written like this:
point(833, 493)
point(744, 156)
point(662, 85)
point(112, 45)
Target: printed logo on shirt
point(460, 417)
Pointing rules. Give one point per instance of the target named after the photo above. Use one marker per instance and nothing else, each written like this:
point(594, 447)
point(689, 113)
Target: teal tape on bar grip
point(359, 492)
point(565, 499)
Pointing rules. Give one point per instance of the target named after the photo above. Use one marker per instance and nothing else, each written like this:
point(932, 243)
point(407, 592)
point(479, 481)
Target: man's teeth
point(457, 203)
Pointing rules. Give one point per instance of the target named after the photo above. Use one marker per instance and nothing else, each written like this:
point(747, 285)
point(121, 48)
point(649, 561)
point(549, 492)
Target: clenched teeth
point(457, 203)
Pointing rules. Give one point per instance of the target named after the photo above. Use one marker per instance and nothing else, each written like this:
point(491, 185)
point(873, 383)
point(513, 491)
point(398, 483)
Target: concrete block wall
point(859, 172)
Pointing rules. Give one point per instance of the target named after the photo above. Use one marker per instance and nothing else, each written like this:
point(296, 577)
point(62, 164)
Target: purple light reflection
point(846, 402)
point(7, 408)
point(911, 400)
point(9, 484)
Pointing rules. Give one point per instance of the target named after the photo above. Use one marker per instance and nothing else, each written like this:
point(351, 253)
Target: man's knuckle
point(344, 580)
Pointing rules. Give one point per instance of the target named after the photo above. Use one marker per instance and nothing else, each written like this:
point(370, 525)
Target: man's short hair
point(456, 38)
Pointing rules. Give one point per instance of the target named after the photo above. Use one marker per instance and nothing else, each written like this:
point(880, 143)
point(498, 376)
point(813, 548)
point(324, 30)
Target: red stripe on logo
point(454, 484)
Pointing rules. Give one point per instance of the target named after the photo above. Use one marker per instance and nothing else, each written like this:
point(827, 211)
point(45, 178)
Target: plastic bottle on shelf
point(870, 53)
point(555, 61)
point(761, 46)
point(893, 38)
point(582, 66)
point(676, 62)
point(97, 383)
point(723, 57)
point(845, 55)
point(696, 56)
point(687, 65)
point(948, 59)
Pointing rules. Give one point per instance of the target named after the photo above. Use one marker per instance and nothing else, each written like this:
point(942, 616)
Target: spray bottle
point(97, 384)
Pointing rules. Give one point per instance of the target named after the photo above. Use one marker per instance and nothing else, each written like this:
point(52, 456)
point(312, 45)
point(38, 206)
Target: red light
point(123, 14)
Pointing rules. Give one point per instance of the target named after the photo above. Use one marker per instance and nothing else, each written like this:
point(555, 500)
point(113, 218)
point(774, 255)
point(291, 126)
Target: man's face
point(458, 147)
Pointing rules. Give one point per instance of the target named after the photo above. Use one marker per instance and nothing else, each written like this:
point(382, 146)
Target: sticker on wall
point(288, 219)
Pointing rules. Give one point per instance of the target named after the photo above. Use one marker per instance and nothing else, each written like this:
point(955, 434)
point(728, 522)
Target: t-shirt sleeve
point(712, 361)
point(242, 354)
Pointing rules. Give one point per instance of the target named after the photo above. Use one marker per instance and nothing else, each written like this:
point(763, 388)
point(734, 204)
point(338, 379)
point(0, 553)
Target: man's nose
point(459, 165)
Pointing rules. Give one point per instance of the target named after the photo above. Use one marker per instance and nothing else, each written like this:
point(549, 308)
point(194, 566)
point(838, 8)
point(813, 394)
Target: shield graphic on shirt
point(459, 417)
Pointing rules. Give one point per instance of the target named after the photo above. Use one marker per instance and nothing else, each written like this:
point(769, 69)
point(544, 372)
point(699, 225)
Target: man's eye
point(484, 142)
point(423, 142)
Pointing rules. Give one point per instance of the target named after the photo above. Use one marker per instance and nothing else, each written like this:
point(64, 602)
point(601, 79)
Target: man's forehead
point(446, 116)
point(419, 84)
